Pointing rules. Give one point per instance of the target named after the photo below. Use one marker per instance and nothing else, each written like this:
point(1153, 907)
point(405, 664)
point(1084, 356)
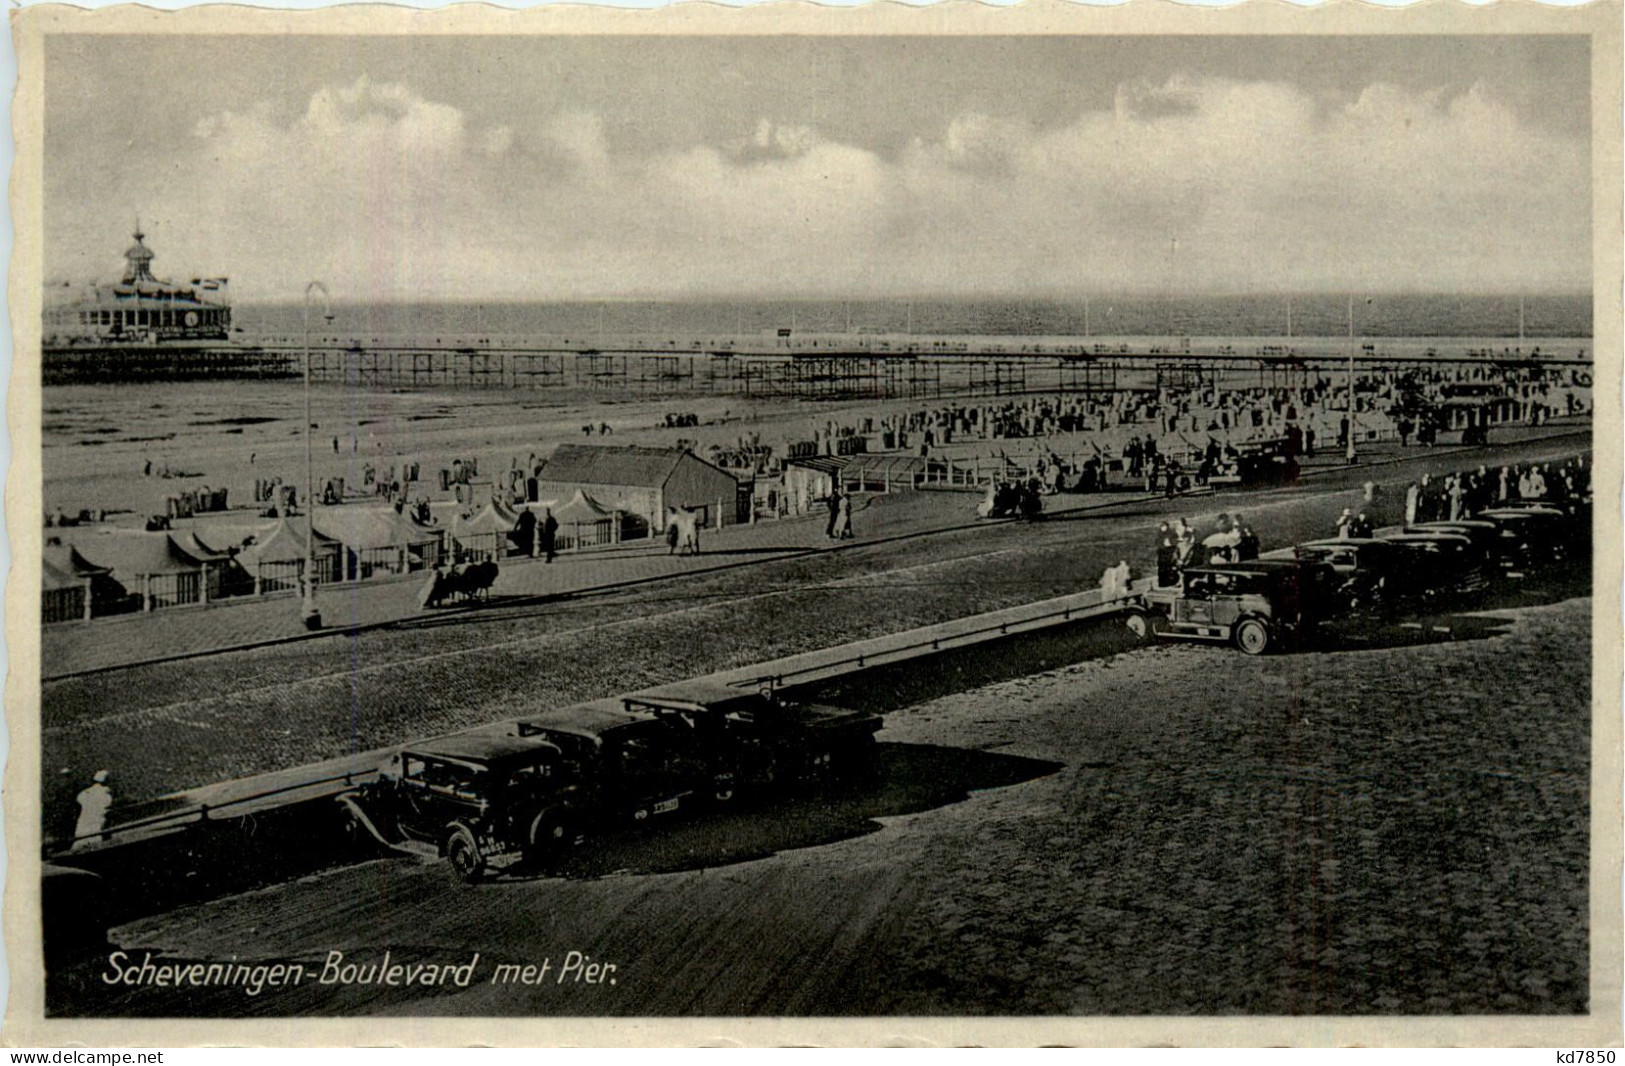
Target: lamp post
point(311, 614)
point(1351, 381)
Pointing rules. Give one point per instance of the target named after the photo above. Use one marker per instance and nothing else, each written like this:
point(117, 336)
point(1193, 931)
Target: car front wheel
point(463, 852)
point(1253, 637)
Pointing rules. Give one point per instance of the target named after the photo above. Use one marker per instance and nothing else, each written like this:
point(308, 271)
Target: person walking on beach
point(843, 518)
point(835, 499)
point(94, 802)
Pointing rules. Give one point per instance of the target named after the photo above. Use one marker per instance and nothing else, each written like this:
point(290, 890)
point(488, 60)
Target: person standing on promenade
point(1411, 503)
point(1455, 492)
point(549, 528)
point(1184, 543)
point(1167, 556)
point(835, 499)
point(94, 802)
point(843, 519)
point(1247, 550)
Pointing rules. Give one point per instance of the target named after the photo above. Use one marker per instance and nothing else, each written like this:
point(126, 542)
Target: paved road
point(1391, 824)
point(166, 727)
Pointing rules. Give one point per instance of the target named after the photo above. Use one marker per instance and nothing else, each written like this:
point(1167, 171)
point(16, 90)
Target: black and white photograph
point(762, 515)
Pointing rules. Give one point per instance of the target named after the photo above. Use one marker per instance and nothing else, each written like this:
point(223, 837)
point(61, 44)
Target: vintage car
point(1531, 534)
point(479, 799)
point(1372, 574)
point(1258, 605)
point(1485, 536)
point(76, 910)
point(632, 767)
point(1446, 564)
point(768, 738)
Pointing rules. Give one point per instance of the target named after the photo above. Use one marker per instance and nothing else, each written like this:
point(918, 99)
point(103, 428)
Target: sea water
point(1312, 315)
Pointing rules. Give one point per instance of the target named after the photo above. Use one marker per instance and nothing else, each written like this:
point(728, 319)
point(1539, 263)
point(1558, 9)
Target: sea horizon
point(1312, 314)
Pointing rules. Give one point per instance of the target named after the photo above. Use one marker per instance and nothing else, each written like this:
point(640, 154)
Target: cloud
point(385, 193)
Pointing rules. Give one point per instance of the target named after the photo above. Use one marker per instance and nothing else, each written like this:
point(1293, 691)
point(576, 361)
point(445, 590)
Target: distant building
point(643, 483)
point(139, 309)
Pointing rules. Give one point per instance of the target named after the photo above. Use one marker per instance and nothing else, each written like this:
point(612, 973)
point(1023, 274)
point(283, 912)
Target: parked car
point(478, 799)
point(767, 738)
point(1485, 536)
point(75, 913)
point(1446, 564)
point(1371, 574)
point(1258, 605)
point(1531, 534)
point(632, 767)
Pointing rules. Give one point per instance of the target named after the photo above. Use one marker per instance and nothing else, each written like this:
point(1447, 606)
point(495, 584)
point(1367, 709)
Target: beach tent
point(276, 556)
point(69, 585)
point(156, 567)
point(586, 523)
point(484, 534)
point(378, 539)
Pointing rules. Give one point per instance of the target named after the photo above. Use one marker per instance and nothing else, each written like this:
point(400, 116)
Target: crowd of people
point(1466, 493)
point(1314, 406)
point(1178, 546)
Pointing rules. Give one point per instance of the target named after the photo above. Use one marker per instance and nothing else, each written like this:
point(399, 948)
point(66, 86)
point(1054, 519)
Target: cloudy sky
point(604, 167)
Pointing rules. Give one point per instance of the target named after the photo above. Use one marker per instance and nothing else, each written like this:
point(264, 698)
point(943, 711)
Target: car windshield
point(447, 778)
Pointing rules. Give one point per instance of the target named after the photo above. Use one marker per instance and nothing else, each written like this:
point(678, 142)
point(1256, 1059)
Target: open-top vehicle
point(767, 738)
point(1259, 605)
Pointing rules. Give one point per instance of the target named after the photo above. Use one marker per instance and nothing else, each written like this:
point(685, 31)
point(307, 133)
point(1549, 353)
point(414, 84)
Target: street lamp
point(1351, 382)
point(311, 614)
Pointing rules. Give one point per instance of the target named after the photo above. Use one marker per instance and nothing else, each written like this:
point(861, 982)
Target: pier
point(811, 366)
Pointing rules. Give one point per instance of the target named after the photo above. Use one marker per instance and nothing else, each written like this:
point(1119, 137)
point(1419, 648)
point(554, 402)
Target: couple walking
point(840, 516)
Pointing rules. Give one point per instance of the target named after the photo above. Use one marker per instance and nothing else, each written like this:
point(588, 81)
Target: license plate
point(665, 806)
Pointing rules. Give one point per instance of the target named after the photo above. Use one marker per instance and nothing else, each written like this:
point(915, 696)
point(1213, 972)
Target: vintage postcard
point(786, 525)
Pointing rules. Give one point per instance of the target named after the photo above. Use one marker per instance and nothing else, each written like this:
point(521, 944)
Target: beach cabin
point(158, 569)
point(70, 585)
point(485, 534)
point(643, 484)
point(378, 540)
point(274, 556)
